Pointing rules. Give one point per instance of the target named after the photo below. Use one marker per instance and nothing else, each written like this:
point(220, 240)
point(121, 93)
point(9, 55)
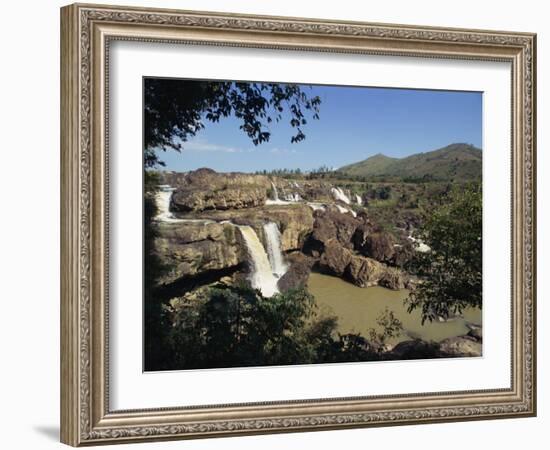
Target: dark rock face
point(332, 243)
point(329, 227)
point(415, 349)
point(191, 249)
point(297, 274)
point(378, 245)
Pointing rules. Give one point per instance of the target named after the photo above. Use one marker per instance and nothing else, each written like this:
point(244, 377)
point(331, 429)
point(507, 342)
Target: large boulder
point(365, 272)
point(461, 346)
point(191, 249)
point(297, 274)
point(414, 349)
point(335, 258)
point(378, 245)
point(360, 270)
point(331, 226)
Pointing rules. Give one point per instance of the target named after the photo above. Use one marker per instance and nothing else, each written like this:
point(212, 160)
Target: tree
point(451, 271)
point(175, 110)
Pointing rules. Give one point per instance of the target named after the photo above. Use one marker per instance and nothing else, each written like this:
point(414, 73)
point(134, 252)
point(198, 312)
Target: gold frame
point(86, 31)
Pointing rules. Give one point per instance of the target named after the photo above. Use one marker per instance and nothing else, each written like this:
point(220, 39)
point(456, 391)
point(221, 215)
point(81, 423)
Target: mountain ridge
point(454, 162)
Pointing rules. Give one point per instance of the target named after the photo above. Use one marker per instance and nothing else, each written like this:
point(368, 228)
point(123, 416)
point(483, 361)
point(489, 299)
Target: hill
point(456, 162)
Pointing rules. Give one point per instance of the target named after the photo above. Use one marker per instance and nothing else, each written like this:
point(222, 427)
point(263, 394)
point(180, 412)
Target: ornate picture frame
point(87, 32)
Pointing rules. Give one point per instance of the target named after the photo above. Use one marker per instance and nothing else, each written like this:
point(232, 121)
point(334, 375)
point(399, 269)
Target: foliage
point(156, 324)
point(175, 110)
point(237, 327)
point(451, 271)
point(390, 326)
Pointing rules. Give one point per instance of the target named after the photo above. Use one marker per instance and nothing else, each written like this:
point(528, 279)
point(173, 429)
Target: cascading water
point(274, 252)
point(262, 276)
point(163, 197)
point(275, 192)
point(359, 199)
point(346, 210)
point(338, 194)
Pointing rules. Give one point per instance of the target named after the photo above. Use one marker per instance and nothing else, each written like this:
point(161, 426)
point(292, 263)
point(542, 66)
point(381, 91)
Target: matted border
point(86, 31)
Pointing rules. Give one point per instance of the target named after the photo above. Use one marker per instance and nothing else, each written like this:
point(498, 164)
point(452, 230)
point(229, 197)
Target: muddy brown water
point(358, 308)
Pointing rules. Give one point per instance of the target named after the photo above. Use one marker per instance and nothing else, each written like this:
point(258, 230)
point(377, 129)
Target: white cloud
point(202, 145)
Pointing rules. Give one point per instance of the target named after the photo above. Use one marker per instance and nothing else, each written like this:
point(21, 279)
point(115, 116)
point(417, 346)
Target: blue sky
point(355, 123)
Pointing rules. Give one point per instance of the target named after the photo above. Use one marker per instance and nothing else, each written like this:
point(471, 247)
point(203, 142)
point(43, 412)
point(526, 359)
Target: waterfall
point(338, 194)
point(346, 210)
point(273, 241)
point(162, 198)
point(275, 192)
point(359, 200)
point(262, 276)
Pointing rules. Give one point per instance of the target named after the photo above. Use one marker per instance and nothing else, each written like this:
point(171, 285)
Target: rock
point(378, 245)
point(460, 346)
point(476, 331)
point(402, 253)
point(392, 278)
point(205, 189)
point(331, 226)
point(414, 349)
point(229, 198)
point(335, 258)
point(191, 249)
point(297, 274)
point(295, 221)
point(360, 270)
point(365, 272)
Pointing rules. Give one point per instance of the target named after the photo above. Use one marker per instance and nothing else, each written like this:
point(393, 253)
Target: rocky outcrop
point(298, 272)
point(360, 270)
point(335, 259)
point(460, 346)
point(205, 189)
point(331, 227)
point(295, 221)
point(378, 245)
point(194, 248)
point(333, 242)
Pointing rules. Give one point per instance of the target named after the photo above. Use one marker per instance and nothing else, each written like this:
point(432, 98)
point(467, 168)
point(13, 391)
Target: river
point(357, 309)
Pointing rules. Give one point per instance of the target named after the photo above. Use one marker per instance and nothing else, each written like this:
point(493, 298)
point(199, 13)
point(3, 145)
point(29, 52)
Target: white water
point(316, 206)
point(162, 198)
point(294, 197)
point(359, 200)
point(275, 192)
point(346, 210)
point(262, 276)
point(338, 194)
point(274, 252)
point(418, 245)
